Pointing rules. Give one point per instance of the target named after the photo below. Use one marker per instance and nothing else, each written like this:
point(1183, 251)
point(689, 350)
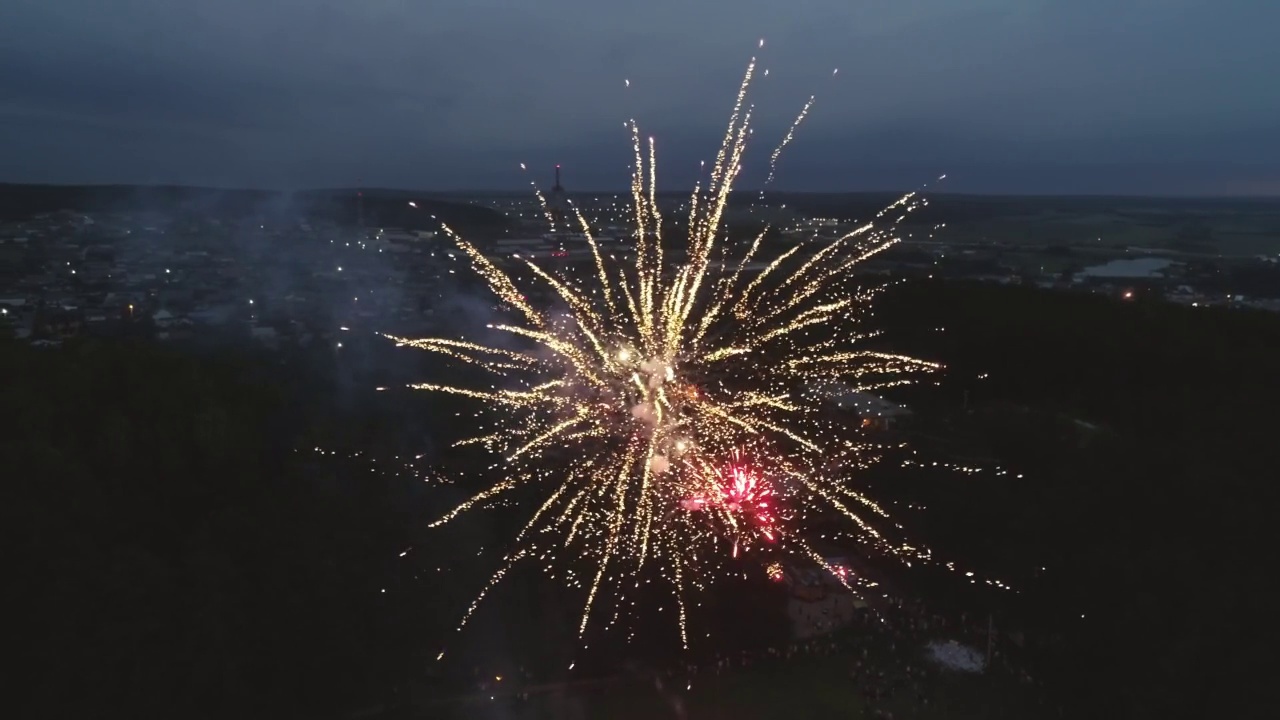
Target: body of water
point(1130, 268)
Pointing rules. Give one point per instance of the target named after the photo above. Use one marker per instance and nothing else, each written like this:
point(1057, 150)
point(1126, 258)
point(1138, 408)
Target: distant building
point(395, 235)
point(163, 318)
point(873, 410)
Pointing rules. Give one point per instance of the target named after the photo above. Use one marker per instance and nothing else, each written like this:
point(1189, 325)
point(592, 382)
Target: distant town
point(276, 278)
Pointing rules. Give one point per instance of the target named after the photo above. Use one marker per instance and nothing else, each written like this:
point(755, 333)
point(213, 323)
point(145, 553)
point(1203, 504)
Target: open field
point(807, 687)
point(825, 677)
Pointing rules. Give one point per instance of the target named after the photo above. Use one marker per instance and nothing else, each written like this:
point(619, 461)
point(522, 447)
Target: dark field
point(179, 557)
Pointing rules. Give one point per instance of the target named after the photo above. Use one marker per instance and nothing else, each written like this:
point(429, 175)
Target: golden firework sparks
point(654, 368)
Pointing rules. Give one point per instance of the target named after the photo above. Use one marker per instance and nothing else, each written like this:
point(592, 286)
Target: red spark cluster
point(747, 496)
point(743, 499)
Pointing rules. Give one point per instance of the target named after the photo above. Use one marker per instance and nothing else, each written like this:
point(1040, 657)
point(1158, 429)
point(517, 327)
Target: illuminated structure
point(558, 206)
point(362, 234)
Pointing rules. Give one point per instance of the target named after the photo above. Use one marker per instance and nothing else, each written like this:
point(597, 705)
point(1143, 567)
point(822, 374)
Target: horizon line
point(426, 194)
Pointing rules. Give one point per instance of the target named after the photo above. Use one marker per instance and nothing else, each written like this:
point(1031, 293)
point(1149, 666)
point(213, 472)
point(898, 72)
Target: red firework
point(745, 499)
point(747, 496)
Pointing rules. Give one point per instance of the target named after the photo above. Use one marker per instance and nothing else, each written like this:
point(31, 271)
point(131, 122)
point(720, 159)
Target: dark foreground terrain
point(176, 555)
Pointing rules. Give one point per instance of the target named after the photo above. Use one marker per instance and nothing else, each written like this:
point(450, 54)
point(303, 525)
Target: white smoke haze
point(657, 371)
point(659, 464)
point(644, 412)
point(474, 318)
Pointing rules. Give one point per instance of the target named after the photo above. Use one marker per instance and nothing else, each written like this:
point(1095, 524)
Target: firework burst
point(737, 494)
point(624, 399)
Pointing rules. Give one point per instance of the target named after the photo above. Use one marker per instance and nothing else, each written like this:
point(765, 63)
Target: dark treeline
point(1146, 436)
point(175, 555)
point(389, 208)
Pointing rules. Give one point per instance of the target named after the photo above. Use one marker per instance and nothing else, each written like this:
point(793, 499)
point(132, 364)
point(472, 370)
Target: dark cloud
point(1005, 95)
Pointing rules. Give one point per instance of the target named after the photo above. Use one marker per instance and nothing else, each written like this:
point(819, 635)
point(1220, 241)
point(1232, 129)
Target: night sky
point(1006, 96)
